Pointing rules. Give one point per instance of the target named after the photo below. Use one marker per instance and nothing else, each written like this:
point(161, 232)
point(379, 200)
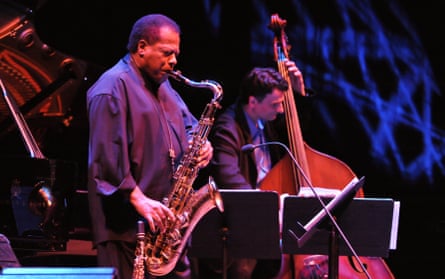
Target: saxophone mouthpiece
point(176, 75)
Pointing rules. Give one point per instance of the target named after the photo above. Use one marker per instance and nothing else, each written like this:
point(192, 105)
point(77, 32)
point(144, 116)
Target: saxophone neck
point(216, 89)
point(214, 86)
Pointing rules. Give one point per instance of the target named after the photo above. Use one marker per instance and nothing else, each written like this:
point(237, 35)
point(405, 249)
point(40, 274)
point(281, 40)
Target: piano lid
point(42, 80)
point(46, 90)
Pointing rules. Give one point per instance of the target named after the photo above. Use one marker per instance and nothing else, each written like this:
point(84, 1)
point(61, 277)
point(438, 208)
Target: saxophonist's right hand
point(152, 210)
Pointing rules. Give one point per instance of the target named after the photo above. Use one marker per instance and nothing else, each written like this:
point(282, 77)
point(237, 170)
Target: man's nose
point(172, 60)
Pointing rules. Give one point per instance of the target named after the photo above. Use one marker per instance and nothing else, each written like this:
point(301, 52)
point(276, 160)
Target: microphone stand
point(309, 227)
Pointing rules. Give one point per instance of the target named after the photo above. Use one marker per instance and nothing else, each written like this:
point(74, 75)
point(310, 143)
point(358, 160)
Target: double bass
point(320, 169)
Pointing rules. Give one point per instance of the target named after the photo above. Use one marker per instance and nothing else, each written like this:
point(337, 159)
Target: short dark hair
point(147, 28)
point(259, 82)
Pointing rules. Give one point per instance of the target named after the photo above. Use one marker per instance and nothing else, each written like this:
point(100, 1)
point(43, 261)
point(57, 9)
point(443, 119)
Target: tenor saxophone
point(163, 249)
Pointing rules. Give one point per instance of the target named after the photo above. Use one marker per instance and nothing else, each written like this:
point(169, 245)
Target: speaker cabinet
point(58, 272)
point(34, 200)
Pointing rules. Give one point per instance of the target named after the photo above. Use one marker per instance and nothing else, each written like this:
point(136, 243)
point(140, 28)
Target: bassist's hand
point(296, 77)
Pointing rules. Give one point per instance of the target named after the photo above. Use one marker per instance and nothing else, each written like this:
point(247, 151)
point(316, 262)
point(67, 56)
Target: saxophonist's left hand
point(205, 155)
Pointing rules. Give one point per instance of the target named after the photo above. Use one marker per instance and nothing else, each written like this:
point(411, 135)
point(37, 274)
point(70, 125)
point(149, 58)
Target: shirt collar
point(254, 126)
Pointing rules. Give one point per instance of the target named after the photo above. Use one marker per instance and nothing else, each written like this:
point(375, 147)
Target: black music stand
point(366, 222)
point(248, 228)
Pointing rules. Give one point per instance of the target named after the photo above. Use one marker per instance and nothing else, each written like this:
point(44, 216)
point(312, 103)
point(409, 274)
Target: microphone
point(308, 229)
point(250, 147)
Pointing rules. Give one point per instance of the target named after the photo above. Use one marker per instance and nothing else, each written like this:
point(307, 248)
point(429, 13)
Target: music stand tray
point(248, 227)
point(366, 222)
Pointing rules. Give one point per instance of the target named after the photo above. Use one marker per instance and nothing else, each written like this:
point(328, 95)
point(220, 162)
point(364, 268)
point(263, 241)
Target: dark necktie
point(261, 154)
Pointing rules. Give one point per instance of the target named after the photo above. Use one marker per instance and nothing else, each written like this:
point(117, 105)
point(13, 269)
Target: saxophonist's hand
point(205, 155)
point(152, 210)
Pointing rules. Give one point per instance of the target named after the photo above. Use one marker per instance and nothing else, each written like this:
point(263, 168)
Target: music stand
point(340, 200)
point(248, 228)
point(366, 222)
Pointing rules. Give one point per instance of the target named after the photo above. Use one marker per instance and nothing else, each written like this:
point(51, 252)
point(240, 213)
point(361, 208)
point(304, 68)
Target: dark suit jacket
point(230, 167)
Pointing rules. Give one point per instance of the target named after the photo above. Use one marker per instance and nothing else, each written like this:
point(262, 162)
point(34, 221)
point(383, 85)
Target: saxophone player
point(139, 127)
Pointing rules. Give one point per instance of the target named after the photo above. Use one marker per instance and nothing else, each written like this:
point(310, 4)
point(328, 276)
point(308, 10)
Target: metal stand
point(333, 254)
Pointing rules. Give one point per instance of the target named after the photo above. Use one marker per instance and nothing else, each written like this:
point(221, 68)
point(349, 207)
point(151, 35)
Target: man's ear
point(142, 44)
point(252, 100)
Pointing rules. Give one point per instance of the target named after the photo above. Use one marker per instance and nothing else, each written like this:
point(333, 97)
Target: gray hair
point(147, 28)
